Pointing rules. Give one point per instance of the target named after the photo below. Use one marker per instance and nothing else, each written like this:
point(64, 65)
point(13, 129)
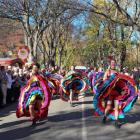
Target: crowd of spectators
point(12, 78)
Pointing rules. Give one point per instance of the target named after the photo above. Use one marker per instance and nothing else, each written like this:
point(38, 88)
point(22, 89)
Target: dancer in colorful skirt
point(115, 94)
point(34, 98)
point(54, 81)
point(72, 85)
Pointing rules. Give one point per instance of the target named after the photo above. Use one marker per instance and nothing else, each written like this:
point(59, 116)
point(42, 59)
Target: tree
point(11, 36)
point(105, 38)
point(34, 15)
point(57, 35)
point(129, 11)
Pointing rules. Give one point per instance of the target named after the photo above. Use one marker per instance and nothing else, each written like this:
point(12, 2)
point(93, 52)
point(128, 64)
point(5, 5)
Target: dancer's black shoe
point(71, 104)
point(33, 123)
point(104, 120)
point(117, 124)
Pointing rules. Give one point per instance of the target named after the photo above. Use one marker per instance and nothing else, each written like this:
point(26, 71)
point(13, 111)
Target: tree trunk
point(44, 58)
point(123, 50)
point(35, 44)
point(60, 58)
point(31, 51)
point(122, 57)
point(28, 37)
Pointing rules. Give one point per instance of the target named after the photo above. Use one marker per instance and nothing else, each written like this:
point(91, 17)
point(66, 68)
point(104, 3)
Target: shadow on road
point(65, 116)
point(20, 133)
point(85, 102)
point(8, 110)
point(55, 97)
point(9, 124)
point(132, 118)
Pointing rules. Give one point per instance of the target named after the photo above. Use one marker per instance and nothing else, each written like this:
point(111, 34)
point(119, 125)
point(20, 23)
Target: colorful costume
point(75, 81)
point(54, 81)
point(36, 87)
point(116, 87)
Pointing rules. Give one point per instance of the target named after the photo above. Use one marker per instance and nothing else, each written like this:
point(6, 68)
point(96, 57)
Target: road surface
point(68, 123)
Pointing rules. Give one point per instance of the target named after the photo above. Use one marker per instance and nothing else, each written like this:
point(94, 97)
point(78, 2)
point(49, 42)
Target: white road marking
point(84, 130)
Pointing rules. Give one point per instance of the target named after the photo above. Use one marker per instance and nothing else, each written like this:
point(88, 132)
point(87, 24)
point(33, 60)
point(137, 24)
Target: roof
point(10, 61)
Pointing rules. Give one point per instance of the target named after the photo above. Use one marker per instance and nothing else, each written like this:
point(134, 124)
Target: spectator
point(9, 86)
point(136, 76)
point(4, 80)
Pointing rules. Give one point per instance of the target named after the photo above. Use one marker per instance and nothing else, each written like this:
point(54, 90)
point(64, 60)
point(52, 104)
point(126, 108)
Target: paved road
point(68, 123)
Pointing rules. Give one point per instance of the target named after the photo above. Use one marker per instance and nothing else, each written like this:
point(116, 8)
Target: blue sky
point(135, 36)
point(80, 22)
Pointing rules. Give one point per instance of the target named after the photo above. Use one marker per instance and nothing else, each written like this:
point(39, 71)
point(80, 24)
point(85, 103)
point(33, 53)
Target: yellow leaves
point(99, 3)
point(91, 31)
